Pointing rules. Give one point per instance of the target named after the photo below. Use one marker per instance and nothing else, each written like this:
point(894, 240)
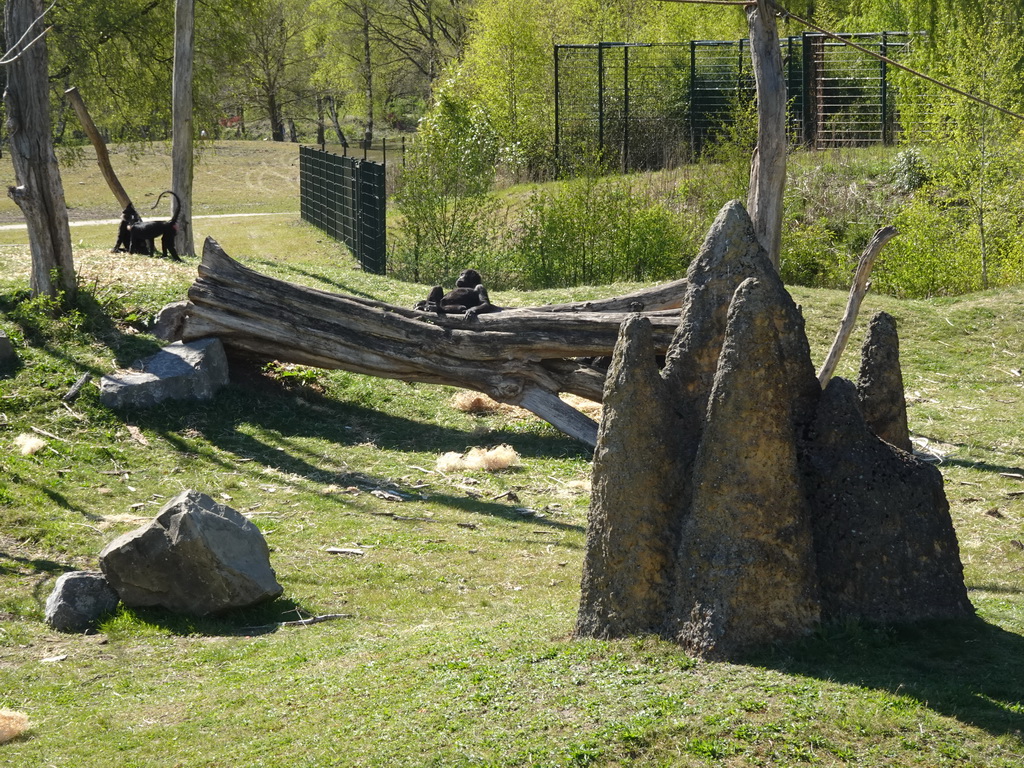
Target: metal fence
point(641, 106)
point(345, 197)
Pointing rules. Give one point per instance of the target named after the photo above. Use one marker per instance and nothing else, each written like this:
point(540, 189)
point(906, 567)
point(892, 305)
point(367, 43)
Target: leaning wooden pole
point(858, 290)
point(102, 157)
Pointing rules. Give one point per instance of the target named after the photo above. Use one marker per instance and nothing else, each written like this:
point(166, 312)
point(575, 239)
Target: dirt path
point(115, 222)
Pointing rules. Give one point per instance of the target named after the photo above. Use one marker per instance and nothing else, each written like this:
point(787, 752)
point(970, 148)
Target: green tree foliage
point(120, 56)
point(445, 192)
point(273, 65)
point(382, 57)
point(973, 152)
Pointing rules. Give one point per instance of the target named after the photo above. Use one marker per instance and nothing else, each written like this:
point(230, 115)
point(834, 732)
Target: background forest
point(473, 80)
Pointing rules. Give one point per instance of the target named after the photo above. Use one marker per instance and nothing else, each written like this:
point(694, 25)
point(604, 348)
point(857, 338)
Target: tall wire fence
point(345, 197)
point(641, 106)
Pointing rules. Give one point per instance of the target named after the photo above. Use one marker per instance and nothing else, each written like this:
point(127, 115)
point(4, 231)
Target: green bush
point(444, 193)
point(596, 230)
point(811, 256)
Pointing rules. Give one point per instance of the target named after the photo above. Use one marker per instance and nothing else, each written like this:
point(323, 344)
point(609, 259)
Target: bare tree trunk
point(858, 290)
point(332, 108)
point(768, 167)
point(40, 192)
point(181, 100)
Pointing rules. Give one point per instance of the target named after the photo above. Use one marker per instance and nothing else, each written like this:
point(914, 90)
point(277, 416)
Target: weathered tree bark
point(102, 157)
point(768, 167)
point(181, 105)
point(521, 356)
point(40, 192)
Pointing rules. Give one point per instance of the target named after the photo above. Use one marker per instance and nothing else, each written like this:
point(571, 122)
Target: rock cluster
point(196, 557)
point(735, 503)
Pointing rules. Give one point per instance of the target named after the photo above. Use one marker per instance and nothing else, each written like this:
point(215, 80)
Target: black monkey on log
point(469, 297)
point(144, 234)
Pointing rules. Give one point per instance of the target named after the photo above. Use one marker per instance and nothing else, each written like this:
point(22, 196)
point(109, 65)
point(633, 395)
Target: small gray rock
point(78, 600)
point(179, 371)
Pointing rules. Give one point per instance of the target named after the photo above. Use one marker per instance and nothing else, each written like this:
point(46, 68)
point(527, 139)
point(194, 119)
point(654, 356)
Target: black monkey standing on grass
point(129, 218)
point(144, 234)
point(469, 297)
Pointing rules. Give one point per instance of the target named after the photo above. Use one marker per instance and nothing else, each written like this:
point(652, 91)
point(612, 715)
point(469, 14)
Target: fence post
point(886, 138)
point(558, 124)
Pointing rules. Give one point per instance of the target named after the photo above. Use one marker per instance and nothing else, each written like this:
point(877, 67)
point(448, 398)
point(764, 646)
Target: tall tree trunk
point(181, 101)
point(332, 108)
point(274, 113)
point(368, 75)
point(768, 167)
point(40, 192)
point(321, 138)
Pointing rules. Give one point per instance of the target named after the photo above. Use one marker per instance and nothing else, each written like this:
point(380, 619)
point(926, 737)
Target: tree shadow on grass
point(969, 670)
point(292, 417)
point(264, 619)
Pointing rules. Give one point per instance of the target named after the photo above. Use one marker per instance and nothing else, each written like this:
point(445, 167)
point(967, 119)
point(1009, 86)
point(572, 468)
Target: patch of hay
point(450, 462)
point(488, 459)
point(479, 403)
point(474, 402)
point(29, 444)
point(12, 724)
point(584, 406)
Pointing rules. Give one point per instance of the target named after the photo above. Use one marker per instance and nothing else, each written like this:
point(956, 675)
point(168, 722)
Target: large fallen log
point(525, 356)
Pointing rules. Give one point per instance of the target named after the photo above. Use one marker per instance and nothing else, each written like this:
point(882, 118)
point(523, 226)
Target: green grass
point(458, 648)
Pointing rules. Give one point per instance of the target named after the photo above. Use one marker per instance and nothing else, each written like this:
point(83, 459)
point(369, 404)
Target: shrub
point(810, 256)
point(596, 230)
point(909, 171)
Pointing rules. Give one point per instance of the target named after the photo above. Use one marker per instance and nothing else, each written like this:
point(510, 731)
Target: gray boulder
point(78, 600)
point(179, 371)
point(197, 557)
point(170, 320)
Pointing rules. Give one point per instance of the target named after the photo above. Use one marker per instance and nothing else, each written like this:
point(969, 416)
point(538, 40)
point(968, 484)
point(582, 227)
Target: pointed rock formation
point(633, 531)
point(734, 503)
point(880, 383)
point(747, 557)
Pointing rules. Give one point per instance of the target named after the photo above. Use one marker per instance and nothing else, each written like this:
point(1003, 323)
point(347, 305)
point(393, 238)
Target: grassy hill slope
point(456, 649)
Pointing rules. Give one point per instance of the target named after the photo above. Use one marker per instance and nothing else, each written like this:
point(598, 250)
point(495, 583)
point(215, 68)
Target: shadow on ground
point(969, 670)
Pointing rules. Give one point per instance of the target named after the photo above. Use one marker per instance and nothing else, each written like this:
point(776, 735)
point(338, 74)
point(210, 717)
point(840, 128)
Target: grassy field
point(457, 649)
